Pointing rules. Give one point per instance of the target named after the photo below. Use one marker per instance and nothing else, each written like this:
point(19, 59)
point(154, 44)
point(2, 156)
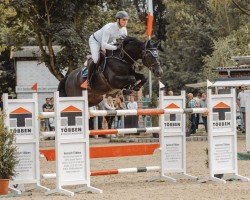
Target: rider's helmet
point(121, 15)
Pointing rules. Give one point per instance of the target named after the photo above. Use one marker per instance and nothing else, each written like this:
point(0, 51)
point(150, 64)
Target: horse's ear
point(147, 44)
point(156, 44)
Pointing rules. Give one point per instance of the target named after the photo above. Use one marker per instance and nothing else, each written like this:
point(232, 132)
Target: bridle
point(152, 51)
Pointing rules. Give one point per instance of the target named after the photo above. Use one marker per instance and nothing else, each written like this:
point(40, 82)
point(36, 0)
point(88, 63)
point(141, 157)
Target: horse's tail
point(61, 87)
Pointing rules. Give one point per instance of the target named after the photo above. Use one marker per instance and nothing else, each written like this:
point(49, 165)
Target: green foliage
point(8, 158)
point(227, 17)
point(237, 43)
point(189, 38)
point(69, 25)
point(12, 31)
point(7, 73)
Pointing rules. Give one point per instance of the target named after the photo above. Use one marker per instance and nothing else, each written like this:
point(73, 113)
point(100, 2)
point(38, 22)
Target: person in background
point(197, 116)
point(47, 107)
point(192, 104)
point(241, 101)
point(132, 104)
point(132, 121)
point(119, 105)
point(109, 105)
point(203, 104)
point(51, 120)
point(170, 93)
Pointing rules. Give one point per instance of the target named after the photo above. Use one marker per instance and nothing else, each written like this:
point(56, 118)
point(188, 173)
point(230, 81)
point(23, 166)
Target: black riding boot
point(91, 72)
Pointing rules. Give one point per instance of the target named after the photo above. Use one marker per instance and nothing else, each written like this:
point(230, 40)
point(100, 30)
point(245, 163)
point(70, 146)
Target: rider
point(107, 35)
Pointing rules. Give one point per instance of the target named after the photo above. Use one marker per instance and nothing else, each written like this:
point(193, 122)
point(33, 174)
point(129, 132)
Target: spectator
point(52, 103)
point(241, 101)
point(198, 105)
point(108, 104)
point(192, 104)
point(170, 93)
point(101, 106)
point(119, 105)
point(132, 104)
point(47, 107)
point(203, 104)
point(132, 121)
point(52, 120)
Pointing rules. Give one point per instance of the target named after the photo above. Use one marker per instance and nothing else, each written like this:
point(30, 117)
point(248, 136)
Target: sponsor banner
point(28, 89)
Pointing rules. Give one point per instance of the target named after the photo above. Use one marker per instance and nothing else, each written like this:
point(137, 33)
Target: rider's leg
point(94, 48)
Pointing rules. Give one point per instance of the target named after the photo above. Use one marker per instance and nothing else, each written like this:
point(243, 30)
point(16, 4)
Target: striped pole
point(113, 131)
point(157, 111)
point(126, 131)
point(113, 171)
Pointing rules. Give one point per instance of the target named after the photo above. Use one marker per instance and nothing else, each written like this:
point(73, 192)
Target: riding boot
point(91, 72)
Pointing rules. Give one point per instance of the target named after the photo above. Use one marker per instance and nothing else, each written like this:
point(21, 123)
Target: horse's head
point(150, 57)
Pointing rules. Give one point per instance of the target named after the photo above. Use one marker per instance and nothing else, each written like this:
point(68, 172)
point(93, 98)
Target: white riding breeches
point(94, 48)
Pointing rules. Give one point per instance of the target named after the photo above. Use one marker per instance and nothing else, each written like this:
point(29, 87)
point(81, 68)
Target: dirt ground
point(136, 186)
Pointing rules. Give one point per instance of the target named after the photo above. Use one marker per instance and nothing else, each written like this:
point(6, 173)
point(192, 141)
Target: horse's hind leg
point(142, 79)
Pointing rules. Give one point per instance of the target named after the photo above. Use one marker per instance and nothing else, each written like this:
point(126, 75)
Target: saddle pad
point(84, 72)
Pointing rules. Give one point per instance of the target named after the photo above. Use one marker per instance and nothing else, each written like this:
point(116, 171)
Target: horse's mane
point(132, 41)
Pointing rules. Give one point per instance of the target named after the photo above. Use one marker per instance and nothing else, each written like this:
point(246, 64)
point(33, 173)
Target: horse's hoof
point(127, 92)
point(136, 88)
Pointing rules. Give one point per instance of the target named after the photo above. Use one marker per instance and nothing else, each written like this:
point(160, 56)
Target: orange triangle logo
point(84, 84)
point(71, 109)
point(20, 110)
point(221, 105)
point(172, 106)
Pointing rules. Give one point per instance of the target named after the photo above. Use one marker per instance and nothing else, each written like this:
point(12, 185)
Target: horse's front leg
point(142, 79)
point(120, 82)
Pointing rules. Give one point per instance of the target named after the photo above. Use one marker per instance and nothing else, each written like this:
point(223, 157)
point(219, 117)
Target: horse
point(116, 72)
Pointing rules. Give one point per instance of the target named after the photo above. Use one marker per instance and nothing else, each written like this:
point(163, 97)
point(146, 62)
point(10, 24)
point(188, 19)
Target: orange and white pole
point(150, 18)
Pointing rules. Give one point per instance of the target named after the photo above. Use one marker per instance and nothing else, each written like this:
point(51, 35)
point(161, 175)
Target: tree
point(7, 73)
point(68, 24)
point(188, 38)
point(227, 16)
point(237, 43)
point(11, 31)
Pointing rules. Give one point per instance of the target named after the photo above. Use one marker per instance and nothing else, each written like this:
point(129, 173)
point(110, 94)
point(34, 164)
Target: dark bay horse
point(117, 73)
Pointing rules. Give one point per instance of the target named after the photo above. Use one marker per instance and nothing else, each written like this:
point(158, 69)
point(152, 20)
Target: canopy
point(197, 85)
point(230, 83)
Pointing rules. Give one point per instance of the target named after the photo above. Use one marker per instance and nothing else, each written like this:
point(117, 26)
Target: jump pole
point(113, 171)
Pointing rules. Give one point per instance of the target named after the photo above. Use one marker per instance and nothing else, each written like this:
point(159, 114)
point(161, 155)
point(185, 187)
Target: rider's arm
point(105, 39)
point(125, 32)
